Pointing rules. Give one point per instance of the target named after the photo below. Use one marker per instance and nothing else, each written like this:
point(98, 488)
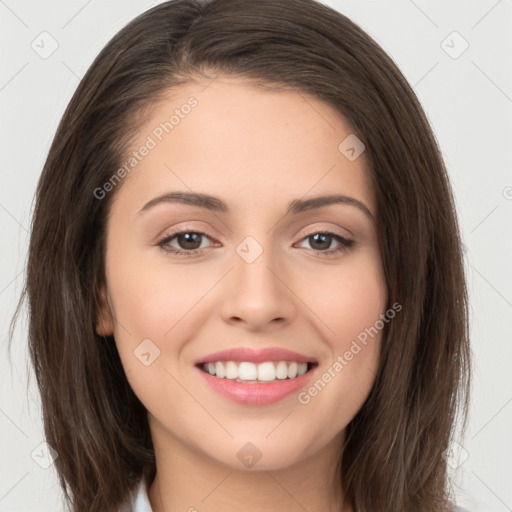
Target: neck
point(189, 480)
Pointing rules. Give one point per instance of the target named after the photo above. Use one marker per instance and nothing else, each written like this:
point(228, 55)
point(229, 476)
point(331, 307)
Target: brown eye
point(321, 242)
point(188, 242)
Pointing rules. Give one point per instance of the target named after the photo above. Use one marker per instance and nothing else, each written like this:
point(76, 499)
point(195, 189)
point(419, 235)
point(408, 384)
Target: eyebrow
point(217, 205)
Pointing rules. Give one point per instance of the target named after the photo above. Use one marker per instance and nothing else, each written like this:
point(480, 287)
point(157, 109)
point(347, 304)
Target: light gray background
point(468, 100)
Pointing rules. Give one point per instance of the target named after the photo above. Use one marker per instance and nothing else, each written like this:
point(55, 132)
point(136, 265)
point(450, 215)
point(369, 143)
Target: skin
point(257, 151)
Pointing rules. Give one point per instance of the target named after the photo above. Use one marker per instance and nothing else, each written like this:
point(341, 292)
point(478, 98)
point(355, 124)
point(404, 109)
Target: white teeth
point(266, 371)
point(247, 371)
point(231, 370)
point(251, 372)
point(302, 369)
point(292, 370)
point(219, 370)
point(281, 370)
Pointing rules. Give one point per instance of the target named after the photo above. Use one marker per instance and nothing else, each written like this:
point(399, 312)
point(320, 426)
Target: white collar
point(138, 500)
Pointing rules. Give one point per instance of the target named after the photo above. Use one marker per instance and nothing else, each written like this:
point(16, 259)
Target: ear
point(105, 320)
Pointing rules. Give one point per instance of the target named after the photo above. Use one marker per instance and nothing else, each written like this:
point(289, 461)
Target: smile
point(251, 373)
point(256, 377)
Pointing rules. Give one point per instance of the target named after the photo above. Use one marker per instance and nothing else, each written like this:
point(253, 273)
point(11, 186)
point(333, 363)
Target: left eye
point(320, 238)
point(189, 242)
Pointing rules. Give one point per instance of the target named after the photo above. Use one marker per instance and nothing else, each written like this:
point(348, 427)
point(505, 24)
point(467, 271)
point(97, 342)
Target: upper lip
point(256, 355)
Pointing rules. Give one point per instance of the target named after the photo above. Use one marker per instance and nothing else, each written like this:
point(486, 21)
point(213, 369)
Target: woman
point(245, 272)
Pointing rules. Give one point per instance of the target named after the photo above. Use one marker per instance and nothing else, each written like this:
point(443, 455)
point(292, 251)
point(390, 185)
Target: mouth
point(248, 372)
point(256, 377)
point(256, 384)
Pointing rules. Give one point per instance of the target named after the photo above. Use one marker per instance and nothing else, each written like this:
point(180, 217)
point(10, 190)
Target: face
point(259, 267)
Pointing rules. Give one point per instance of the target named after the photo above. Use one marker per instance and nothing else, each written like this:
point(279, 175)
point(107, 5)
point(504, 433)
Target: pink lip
point(256, 394)
point(256, 356)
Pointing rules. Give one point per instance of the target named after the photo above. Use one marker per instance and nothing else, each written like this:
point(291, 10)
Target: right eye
point(187, 239)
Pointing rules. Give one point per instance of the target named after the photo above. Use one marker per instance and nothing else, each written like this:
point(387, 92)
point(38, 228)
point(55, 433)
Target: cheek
point(347, 298)
point(155, 314)
point(349, 303)
point(151, 299)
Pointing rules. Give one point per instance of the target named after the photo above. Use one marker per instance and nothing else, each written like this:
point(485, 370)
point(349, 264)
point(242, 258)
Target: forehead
point(226, 137)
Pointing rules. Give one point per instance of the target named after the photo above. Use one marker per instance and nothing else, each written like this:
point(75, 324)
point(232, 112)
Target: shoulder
point(138, 500)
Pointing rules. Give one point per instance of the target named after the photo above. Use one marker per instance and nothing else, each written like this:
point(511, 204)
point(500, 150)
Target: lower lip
point(256, 394)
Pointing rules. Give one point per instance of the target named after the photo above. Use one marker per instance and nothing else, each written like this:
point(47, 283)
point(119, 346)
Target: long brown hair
point(393, 455)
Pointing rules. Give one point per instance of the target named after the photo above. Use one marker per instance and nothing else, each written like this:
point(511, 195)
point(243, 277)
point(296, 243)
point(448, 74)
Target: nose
point(259, 294)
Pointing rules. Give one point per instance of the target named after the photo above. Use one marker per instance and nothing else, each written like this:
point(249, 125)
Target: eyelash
point(345, 243)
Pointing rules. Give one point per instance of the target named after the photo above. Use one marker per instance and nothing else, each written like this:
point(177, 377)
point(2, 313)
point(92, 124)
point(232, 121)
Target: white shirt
point(139, 501)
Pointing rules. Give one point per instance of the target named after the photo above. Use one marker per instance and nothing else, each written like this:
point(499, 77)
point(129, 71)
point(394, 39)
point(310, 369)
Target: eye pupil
point(189, 240)
point(320, 238)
